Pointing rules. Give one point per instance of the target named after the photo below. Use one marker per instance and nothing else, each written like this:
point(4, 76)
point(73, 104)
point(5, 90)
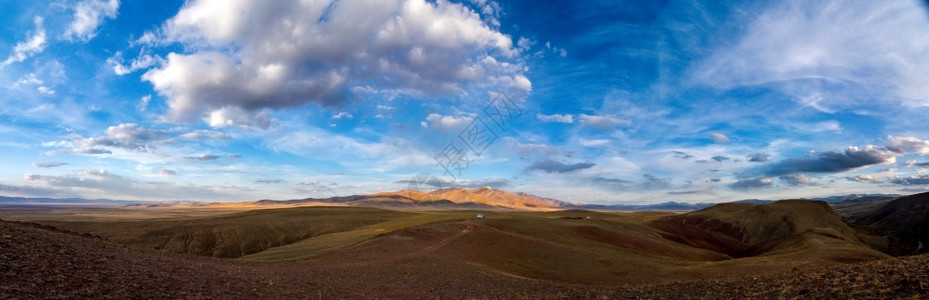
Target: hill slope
point(904, 221)
point(41, 263)
point(784, 227)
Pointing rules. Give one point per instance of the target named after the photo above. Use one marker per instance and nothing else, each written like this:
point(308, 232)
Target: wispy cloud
point(46, 165)
point(88, 15)
point(752, 184)
point(552, 166)
point(35, 44)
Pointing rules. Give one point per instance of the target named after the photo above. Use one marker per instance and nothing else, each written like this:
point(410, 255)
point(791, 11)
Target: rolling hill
point(37, 262)
point(901, 225)
point(787, 227)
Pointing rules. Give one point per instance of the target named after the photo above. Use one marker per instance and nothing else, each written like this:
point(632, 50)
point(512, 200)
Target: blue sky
point(584, 101)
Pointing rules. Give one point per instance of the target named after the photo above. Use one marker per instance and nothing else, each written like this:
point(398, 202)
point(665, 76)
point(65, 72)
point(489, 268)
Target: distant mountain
point(483, 197)
point(448, 198)
point(666, 206)
point(856, 197)
point(39, 201)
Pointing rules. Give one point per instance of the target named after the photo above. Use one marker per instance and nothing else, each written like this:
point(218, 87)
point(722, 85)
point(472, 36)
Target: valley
point(570, 251)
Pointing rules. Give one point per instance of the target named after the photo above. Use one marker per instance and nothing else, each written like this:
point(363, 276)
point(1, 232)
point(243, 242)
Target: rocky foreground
point(41, 262)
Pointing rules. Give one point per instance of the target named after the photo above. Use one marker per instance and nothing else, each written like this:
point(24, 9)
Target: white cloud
point(45, 90)
point(88, 15)
point(560, 118)
point(30, 47)
point(166, 172)
point(342, 115)
point(796, 179)
point(718, 137)
point(829, 54)
point(33, 80)
point(603, 121)
point(908, 144)
point(30, 79)
point(593, 143)
point(46, 165)
point(234, 116)
point(131, 139)
point(127, 136)
point(864, 179)
point(446, 123)
point(143, 103)
point(290, 53)
point(144, 61)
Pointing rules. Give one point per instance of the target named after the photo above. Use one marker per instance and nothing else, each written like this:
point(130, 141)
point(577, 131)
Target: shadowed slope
point(904, 222)
point(782, 227)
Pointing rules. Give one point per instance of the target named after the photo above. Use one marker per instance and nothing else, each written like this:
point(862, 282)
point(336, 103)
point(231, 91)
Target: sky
point(601, 102)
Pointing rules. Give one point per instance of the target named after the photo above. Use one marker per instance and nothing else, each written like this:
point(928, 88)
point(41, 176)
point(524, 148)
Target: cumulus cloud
point(290, 53)
point(131, 137)
point(446, 123)
point(552, 166)
point(752, 184)
point(238, 117)
point(796, 179)
point(35, 44)
point(558, 118)
point(908, 144)
point(46, 165)
point(88, 15)
point(833, 162)
point(718, 137)
point(758, 157)
point(603, 121)
point(863, 178)
point(127, 136)
point(828, 54)
point(911, 180)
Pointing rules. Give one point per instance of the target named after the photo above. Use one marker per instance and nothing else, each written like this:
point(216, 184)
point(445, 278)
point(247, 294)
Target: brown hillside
point(904, 222)
point(41, 263)
point(742, 230)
